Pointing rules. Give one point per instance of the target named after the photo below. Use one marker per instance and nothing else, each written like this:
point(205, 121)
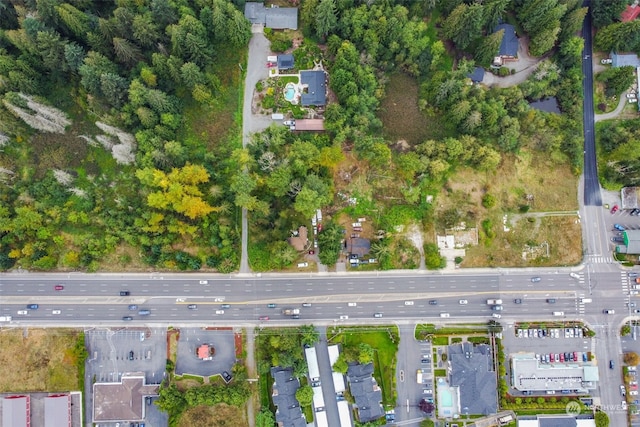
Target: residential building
point(508, 50)
point(472, 374)
point(365, 391)
point(277, 18)
point(314, 84)
point(285, 385)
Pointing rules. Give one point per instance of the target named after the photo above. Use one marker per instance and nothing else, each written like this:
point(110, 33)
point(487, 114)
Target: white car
point(219, 311)
point(352, 304)
point(303, 264)
point(408, 303)
point(631, 95)
point(632, 100)
point(289, 123)
point(344, 317)
point(574, 275)
point(463, 302)
point(23, 312)
point(496, 315)
point(204, 282)
point(633, 392)
point(606, 61)
point(444, 314)
point(56, 312)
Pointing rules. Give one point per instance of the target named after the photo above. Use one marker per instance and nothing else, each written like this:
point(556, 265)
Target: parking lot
point(113, 352)
point(223, 343)
point(551, 345)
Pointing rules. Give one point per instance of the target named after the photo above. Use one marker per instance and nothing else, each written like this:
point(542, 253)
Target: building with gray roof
point(124, 400)
point(528, 374)
point(477, 75)
point(558, 420)
point(277, 18)
point(57, 410)
point(365, 391)
point(16, 411)
point(314, 85)
point(285, 386)
point(285, 61)
point(473, 375)
point(624, 60)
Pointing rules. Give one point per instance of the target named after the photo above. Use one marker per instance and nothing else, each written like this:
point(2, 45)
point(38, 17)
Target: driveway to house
point(613, 114)
point(259, 49)
point(524, 66)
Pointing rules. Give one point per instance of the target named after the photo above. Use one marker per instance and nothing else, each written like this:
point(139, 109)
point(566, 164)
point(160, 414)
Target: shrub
point(488, 201)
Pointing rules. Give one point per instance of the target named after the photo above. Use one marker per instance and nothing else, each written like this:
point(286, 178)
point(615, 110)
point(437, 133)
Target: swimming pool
point(289, 91)
point(446, 399)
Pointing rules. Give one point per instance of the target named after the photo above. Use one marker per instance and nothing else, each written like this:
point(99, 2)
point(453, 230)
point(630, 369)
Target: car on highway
point(444, 314)
point(408, 303)
point(619, 227)
point(263, 318)
point(144, 312)
point(56, 311)
point(551, 300)
point(125, 293)
point(496, 315)
point(344, 317)
point(127, 318)
point(611, 364)
point(204, 282)
point(23, 312)
point(615, 209)
point(517, 301)
point(609, 311)
point(632, 274)
point(463, 302)
point(225, 306)
point(133, 307)
point(295, 316)
point(306, 304)
point(536, 279)
point(272, 305)
point(219, 311)
point(131, 355)
point(433, 302)
point(574, 275)
point(377, 315)
point(58, 287)
point(32, 306)
point(352, 304)
point(192, 306)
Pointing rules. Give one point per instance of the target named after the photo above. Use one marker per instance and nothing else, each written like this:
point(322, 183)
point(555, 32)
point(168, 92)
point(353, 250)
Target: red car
point(614, 209)
point(551, 357)
point(561, 357)
point(58, 287)
point(264, 317)
point(270, 64)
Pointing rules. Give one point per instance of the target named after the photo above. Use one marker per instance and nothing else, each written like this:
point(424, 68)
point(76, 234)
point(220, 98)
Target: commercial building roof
point(57, 410)
point(632, 241)
point(509, 44)
point(530, 374)
point(278, 18)
point(365, 391)
point(16, 411)
point(582, 420)
point(122, 401)
point(285, 386)
point(312, 363)
point(624, 60)
point(285, 61)
point(472, 372)
point(315, 88)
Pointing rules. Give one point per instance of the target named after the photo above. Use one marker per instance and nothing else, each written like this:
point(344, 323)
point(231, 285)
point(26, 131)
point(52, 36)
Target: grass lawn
point(39, 360)
point(439, 372)
point(424, 329)
point(440, 341)
point(601, 102)
point(385, 341)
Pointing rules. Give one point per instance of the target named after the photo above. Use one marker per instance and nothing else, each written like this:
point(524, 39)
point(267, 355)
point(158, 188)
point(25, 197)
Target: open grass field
point(39, 360)
point(401, 117)
point(385, 341)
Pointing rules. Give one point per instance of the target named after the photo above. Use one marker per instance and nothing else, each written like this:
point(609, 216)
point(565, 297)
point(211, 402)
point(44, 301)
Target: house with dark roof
point(124, 400)
point(558, 420)
point(285, 61)
point(508, 50)
point(16, 411)
point(314, 85)
point(57, 410)
point(285, 386)
point(477, 75)
point(473, 375)
point(365, 391)
point(277, 18)
point(359, 246)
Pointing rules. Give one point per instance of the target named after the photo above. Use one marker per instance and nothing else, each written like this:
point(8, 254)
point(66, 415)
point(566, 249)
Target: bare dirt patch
point(38, 360)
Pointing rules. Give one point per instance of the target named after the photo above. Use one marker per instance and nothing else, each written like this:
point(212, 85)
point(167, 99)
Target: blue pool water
point(289, 92)
point(445, 397)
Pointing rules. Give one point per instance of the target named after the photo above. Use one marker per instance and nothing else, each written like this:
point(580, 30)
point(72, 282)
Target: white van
point(444, 314)
point(558, 313)
point(585, 300)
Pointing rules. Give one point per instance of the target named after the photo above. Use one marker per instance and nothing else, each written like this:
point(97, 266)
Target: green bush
point(432, 257)
point(488, 201)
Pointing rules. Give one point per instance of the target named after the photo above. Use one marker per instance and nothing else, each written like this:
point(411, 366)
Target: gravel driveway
point(524, 66)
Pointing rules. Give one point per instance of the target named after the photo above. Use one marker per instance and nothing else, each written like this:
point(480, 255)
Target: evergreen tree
point(488, 48)
point(326, 18)
point(606, 12)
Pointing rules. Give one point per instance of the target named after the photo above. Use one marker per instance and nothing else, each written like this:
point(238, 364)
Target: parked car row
point(550, 333)
point(569, 356)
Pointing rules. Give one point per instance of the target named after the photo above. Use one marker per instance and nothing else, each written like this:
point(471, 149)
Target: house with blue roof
point(508, 50)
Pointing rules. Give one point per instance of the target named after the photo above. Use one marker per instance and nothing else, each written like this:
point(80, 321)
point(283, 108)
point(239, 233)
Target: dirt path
point(415, 235)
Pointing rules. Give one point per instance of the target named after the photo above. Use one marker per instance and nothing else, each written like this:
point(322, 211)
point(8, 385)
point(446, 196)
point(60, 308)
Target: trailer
point(290, 311)
point(5, 318)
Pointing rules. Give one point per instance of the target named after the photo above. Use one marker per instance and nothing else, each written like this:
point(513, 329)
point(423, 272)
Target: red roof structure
point(630, 13)
point(203, 351)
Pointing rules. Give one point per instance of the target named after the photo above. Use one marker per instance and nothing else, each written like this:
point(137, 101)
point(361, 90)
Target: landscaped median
point(356, 344)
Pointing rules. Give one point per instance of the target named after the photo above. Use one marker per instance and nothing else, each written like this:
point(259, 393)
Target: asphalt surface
point(592, 196)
